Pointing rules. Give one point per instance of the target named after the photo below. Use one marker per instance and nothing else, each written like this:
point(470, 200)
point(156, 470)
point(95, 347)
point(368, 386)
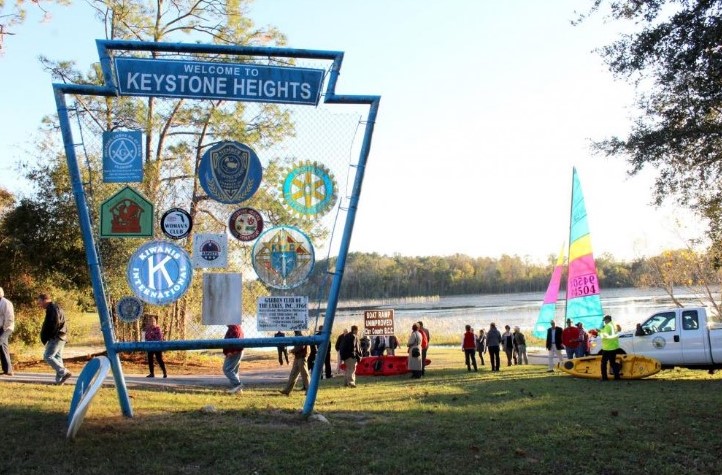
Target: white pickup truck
point(684, 337)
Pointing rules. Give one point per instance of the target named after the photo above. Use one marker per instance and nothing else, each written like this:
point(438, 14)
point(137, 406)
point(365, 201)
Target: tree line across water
point(374, 276)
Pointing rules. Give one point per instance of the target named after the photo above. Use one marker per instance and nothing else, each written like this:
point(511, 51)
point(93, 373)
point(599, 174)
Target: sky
point(486, 107)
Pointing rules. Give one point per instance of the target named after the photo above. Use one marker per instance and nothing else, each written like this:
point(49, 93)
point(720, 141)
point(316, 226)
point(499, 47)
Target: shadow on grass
point(451, 421)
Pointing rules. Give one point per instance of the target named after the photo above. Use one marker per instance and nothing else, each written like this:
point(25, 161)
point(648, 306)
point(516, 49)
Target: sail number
point(584, 285)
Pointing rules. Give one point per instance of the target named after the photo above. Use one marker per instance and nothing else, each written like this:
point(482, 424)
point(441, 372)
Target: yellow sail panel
point(580, 247)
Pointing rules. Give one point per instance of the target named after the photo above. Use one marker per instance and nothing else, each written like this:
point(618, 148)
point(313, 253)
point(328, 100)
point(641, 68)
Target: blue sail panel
point(587, 310)
point(546, 314)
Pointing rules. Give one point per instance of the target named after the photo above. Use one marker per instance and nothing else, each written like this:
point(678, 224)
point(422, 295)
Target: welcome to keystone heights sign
point(227, 81)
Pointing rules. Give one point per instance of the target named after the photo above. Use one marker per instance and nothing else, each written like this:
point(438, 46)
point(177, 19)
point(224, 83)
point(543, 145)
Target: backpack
point(393, 342)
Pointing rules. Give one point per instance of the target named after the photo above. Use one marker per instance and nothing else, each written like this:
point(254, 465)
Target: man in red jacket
point(233, 360)
point(570, 339)
point(468, 344)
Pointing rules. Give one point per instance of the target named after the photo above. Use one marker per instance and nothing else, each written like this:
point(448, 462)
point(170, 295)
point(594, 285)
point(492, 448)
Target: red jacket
point(424, 339)
point(234, 331)
point(570, 337)
point(469, 342)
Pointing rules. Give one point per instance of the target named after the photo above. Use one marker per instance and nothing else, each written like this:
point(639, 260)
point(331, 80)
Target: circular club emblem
point(176, 223)
point(210, 250)
point(230, 172)
point(309, 189)
point(159, 272)
point(246, 224)
point(283, 257)
point(129, 309)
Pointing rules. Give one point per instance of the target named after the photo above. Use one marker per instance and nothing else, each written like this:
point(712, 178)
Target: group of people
point(350, 348)
point(512, 343)
point(575, 340)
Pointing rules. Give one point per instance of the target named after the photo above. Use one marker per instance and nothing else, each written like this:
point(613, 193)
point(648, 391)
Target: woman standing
point(414, 350)
point(481, 345)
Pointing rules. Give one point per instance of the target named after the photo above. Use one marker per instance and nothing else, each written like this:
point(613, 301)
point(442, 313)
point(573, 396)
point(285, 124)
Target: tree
point(177, 131)
point(675, 61)
point(16, 13)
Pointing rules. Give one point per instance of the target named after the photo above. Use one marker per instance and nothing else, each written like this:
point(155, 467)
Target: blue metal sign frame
point(110, 89)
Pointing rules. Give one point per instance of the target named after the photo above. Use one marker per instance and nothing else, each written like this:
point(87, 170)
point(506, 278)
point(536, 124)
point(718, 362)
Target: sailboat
point(583, 302)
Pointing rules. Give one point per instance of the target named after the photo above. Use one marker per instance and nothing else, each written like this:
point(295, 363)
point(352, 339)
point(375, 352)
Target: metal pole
point(90, 250)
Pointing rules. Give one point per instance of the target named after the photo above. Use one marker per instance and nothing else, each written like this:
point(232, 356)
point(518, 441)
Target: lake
point(448, 315)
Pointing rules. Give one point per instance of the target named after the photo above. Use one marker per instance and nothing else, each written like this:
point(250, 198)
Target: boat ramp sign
point(225, 81)
point(379, 322)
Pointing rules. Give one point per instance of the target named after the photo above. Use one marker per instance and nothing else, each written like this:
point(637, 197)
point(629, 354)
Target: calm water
point(449, 315)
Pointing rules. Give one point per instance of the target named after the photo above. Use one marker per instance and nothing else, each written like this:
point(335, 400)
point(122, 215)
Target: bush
point(27, 326)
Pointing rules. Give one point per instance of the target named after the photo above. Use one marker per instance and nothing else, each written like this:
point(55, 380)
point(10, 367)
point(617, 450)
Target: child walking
point(154, 333)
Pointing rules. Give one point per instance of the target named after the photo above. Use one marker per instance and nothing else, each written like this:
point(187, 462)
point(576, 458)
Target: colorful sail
point(549, 306)
point(583, 301)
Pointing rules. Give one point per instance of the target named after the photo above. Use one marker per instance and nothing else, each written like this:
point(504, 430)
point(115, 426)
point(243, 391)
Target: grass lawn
point(520, 420)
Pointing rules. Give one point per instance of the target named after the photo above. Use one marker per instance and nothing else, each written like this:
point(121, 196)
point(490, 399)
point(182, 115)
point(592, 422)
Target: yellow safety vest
point(610, 339)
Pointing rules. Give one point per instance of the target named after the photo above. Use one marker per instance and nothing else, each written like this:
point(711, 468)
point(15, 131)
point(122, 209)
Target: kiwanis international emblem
point(283, 257)
point(159, 272)
point(230, 172)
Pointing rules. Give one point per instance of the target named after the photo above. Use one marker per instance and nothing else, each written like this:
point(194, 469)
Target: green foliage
point(675, 59)
point(370, 275)
point(510, 422)
point(27, 327)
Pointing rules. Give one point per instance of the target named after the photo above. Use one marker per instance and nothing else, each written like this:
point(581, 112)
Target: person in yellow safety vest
point(610, 347)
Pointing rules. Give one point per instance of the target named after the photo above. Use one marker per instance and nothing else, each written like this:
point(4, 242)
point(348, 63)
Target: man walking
point(351, 354)
point(54, 335)
point(299, 353)
point(554, 344)
point(7, 325)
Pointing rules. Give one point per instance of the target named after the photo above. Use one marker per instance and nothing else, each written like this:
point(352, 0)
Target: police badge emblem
point(245, 224)
point(283, 257)
point(230, 172)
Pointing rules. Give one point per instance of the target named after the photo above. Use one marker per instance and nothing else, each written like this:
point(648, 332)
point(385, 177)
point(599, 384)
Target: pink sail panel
point(549, 306)
point(582, 280)
point(554, 283)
